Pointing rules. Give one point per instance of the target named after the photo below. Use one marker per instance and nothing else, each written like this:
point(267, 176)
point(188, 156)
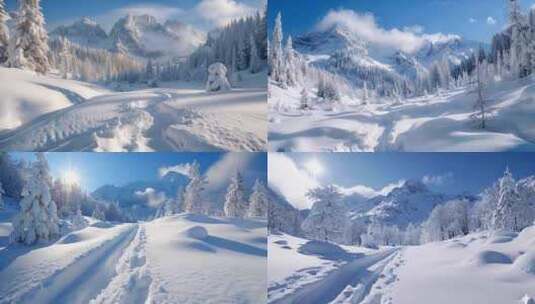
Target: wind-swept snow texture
point(426, 124)
point(179, 259)
point(478, 268)
point(49, 114)
point(295, 277)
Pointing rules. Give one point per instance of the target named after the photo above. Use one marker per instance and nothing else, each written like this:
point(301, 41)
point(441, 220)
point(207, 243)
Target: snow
point(433, 123)
point(437, 269)
point(290, 271)
point(52, 114)
point(178, 259)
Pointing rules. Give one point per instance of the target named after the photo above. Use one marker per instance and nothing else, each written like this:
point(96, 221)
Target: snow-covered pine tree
point(276, 54)
point(481, 104)
point(37, 219)
point(305, 99)
point(258, 201)
point(65, 57)
point(254, 62)
point(98, 213)
point(235, 201)
point(192, 195)
point(290, 68)
point(327, 218)
point(509, 207)
point(28, 46)
point(365, 94)
point(4, 33)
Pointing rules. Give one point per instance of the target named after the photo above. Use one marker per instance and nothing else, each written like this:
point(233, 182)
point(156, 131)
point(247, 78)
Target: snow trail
point(329, 288)
point(132, 282)
point(79, 282)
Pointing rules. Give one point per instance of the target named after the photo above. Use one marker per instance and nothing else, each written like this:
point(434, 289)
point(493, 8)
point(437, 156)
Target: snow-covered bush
point(37, 219)
point(235, 202)
point(217, 78)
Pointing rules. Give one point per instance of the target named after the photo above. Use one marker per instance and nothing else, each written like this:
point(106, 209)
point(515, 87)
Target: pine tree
point(98, 213)
point(327, 218)
point(29, 45)
point(276, 62)
point(481, 104)
point(258, 201)
point(508, 212)
point(4, 33)
point(305, 99)
point(254, 63)
point(192, 194)
point(235, 202)
point(38, 219)
point(289, 64)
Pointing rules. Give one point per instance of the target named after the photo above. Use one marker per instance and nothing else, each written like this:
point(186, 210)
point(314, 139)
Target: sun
point(314, 167)
point(71, 177)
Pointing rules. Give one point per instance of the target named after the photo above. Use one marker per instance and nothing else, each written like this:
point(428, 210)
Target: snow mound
point(490, 257)
point(323, 249)
point(196, 232)
point(526, 262)
point(70, 239)
point(502, 237)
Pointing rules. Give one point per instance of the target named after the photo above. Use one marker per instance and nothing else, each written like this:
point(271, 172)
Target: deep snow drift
point(484, 267)
point(179, 259)
point(433, 123)
point(45, 113)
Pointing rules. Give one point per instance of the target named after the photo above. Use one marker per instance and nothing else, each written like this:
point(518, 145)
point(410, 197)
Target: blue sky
point(467, 18)
point(97, 169)
point(107, 11)
point(452, 173)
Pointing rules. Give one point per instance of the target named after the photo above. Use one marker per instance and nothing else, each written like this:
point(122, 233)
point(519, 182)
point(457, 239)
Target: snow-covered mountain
point(139, 35)
point(342, 51)
point(411, 202)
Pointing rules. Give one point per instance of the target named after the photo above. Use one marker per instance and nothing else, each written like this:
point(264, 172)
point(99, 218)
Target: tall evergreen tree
point(235, 202)
point(192, 196)
point(4, 33)
point(29, 45)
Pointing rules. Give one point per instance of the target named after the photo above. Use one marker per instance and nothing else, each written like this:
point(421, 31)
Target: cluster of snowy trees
point(506, 205)
point(237, 204)
point(241, 46)
point(287, 68)
point(88, 64)
point(190, 199)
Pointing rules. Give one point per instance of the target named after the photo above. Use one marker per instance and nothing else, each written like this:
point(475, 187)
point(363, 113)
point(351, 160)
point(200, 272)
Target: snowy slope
point(181, 117)
point(432, 123)
point(296, 277)
point(479, 268)
point(26, 95)
point(179, 259)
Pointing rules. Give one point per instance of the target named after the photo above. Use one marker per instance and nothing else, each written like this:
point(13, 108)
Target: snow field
point(474, 266)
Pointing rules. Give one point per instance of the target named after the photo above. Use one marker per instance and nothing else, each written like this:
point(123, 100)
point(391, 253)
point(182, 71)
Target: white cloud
point(472, 20)
point(183, 169)
point(152, 197)
point(369, 192)
point(491, 21)
point(221, 12)
point(409, 39)
point(437, 180)
point(290, 181)
point(220, 173)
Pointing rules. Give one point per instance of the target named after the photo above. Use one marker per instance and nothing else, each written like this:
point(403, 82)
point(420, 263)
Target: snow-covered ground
point(180, 259)
point(45, 113)
point(295, 277)
point(435, 123)
point(490, 268)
